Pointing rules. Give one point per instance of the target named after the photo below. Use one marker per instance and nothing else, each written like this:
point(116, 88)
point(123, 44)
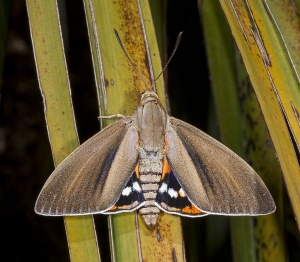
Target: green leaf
point(274, 82)
point(55, 89)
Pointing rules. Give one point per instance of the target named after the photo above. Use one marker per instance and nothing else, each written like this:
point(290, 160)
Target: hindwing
point(131, 197)
point(171, 197)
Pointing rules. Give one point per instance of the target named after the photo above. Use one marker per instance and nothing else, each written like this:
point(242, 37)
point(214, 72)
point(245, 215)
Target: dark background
point(25, 155)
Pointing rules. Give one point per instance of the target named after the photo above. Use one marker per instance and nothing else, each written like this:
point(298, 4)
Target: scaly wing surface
point(216, 180)
point(91, 179)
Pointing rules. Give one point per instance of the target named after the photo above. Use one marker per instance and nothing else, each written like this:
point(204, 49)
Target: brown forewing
point(79, 184)
point(214, 178)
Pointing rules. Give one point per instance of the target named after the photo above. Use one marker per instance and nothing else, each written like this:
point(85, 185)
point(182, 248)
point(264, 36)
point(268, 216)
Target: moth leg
point(113, 116)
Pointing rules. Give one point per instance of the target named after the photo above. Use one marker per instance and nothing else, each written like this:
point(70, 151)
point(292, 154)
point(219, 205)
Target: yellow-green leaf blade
point(82, 239)
point(285, 20)
point(281, 73)
point(54, 85)
point(242, 29)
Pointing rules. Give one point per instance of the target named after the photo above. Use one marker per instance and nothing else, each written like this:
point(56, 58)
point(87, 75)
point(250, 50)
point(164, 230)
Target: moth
point(153, 162)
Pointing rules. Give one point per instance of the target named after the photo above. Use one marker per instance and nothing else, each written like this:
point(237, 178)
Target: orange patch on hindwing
point(191, 210)
point(166, 168)
point(136, 170)
point(113, 208)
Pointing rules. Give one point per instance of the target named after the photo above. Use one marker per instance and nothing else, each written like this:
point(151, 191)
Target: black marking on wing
point(172, 198)
point(131, 197)
point(106, 164)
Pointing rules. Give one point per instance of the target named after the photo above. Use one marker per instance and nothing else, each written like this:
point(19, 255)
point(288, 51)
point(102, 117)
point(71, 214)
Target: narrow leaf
point(54, 85)
point(274, 82)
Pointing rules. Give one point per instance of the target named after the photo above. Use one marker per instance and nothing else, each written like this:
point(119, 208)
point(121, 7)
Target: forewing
point(171, 197)
point(131, 197)
point(214, 178)
point(91, 179)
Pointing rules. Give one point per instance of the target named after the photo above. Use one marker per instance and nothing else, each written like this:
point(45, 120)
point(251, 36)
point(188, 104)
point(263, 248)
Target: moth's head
point(149, 96)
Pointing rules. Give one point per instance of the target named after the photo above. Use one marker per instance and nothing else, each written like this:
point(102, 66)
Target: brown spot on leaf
point(131, 34)
point(106, 82)
point(174, 258)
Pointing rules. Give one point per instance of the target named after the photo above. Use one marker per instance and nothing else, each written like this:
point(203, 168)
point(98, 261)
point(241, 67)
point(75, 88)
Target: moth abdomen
point(149, 211)
point(149, 187)
point(150, 171)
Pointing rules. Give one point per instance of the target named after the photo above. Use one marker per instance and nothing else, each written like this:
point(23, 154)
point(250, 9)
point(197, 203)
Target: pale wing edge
point(178, 213)
point(175, 123)
point(40, 207)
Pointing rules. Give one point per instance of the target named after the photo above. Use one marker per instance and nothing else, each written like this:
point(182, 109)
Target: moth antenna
point(133, 65)
point(173, 53)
